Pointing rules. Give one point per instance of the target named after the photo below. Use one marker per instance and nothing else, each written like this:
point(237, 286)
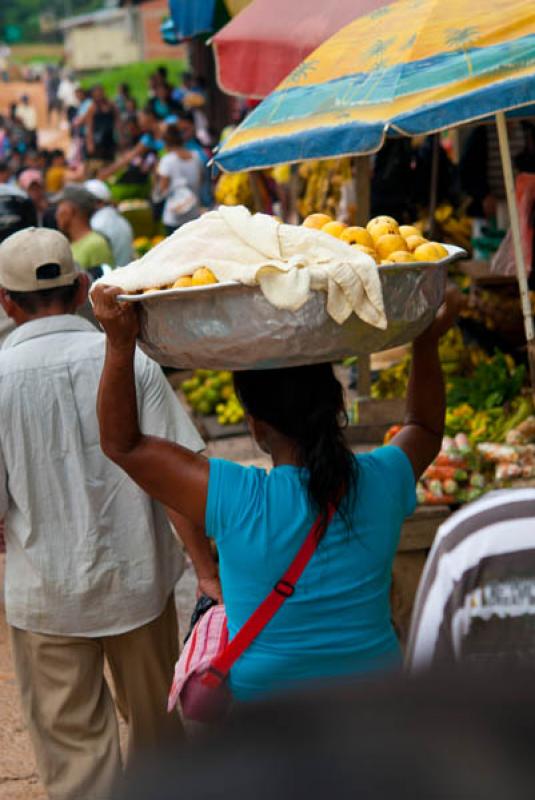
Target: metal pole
point(363, 195)
point(521, 274)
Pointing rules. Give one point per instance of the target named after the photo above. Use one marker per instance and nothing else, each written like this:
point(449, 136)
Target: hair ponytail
point(306, 404)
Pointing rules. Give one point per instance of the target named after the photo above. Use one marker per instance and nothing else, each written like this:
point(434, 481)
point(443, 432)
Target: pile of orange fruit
point(383, 239)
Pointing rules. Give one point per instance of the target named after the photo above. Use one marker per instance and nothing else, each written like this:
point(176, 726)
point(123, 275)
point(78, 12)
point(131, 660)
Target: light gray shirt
point(88, 552)
point(117, 231)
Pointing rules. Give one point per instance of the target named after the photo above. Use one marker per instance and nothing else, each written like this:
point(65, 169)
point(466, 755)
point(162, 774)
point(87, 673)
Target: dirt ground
point(18, 776)
point(52, 133)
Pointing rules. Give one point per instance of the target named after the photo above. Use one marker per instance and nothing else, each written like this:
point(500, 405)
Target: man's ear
point(6, 302)
point(82, 291)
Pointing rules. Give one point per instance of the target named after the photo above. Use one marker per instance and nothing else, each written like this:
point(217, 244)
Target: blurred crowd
point(117, 151)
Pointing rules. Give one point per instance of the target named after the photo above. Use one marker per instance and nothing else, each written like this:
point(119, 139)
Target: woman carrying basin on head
point(337, 622)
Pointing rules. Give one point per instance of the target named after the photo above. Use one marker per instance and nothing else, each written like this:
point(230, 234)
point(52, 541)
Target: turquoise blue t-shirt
point(338, 621)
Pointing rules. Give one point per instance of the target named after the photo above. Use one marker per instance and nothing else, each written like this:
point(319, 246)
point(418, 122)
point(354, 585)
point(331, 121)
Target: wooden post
point(363, 193)
point(255, 190)
point(521, 274)
point(362, 188)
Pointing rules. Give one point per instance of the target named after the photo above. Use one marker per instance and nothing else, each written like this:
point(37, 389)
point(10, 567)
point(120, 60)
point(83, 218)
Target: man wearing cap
point(91, 559)
point(110, 223)
point(75, 208)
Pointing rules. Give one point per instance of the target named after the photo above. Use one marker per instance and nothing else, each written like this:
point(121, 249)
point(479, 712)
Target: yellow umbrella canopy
point(412, 67)
point(415, 66)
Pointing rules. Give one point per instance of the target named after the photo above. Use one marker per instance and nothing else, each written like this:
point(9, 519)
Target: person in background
point(16, 212)
point(5, 144)
point(92, 561)
point(178, 181)
point(129, 133)
point(337, 621)
point(135, 165)
point(31, 181)
point(121, 98)
point(434, 737)
point(27, 114)
point(55, 175)
point(481, 172)
point(52, 81)
point(475, 603)
point(101, 121)
point(67, 95)
point(186, 126)
point(131, 108)
point(162, 103)
point(110, 223)
point(78, 127)
point(90, 249)
point(5, 173)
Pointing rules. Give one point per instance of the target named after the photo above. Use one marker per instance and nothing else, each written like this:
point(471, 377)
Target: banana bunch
point(455, 358)
point(455, 229)
point(323, 182)
point(281, 174)
point(234, 190)
point(392, 382)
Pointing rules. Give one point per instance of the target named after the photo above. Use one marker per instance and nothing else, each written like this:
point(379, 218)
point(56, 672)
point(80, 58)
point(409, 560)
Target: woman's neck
point(284, 452)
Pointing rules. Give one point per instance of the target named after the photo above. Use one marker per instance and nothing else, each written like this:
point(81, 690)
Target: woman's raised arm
point(171, 474)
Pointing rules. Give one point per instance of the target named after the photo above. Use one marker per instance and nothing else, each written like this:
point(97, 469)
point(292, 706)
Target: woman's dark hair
point(172, 137)
point(306, 404)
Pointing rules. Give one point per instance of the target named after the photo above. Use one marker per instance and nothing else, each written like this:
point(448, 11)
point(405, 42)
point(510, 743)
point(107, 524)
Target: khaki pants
point(69, 709)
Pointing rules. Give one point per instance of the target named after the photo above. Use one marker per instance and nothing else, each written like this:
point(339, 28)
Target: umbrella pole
point(363, 195)
point(521, 274)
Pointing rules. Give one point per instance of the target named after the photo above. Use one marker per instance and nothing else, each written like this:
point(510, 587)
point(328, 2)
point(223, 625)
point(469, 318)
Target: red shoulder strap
point(284, 588)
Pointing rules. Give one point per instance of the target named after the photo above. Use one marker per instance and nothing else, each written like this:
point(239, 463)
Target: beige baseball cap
point(34, 259)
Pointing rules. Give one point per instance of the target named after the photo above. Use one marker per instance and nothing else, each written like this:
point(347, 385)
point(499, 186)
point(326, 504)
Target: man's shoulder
point(32, 360)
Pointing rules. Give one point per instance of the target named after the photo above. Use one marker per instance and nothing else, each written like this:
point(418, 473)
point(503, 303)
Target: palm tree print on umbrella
point(378, 50)
point(460, 38)
point(409, 44)
point(303, 71)
point(380, 12)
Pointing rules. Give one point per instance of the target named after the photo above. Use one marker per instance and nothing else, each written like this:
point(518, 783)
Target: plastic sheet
point(230, 326)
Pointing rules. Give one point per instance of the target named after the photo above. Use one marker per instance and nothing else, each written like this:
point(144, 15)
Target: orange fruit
point(379, 226)
point(316, 221)
point(368, 250)
point(182, 283)
point(414, 241)
point(203, 277)
point(334, 228)
point(431, 251)
point(389, 243)
point(409, 230)
point(401, 257)
point(357, 235)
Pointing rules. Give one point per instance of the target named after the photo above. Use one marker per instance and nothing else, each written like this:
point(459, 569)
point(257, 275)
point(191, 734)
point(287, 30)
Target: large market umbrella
point(413, 67)
point(264, 43)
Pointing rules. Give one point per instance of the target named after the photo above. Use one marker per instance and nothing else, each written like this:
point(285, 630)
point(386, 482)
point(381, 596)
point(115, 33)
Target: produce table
point(417, 536)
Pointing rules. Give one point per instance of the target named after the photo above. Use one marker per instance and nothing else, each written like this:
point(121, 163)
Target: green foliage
point(492, 384)
point(25, 13)
point(136, 75)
